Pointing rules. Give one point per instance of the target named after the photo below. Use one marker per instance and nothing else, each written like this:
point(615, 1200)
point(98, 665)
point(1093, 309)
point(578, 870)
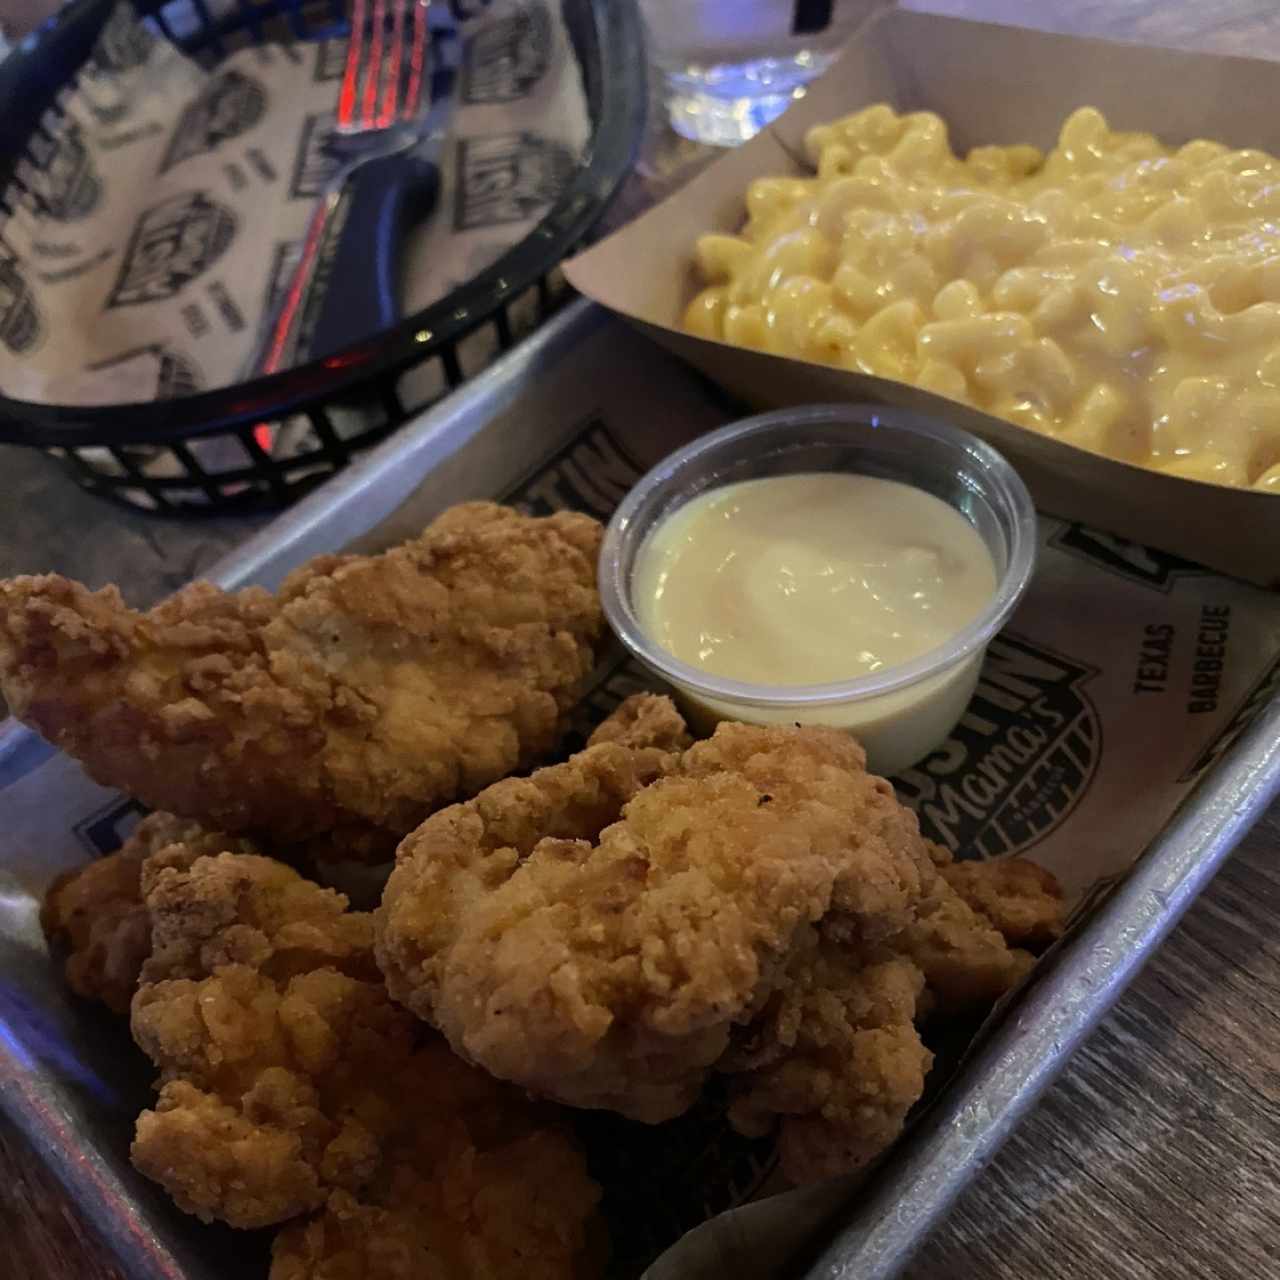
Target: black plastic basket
point(103, 447)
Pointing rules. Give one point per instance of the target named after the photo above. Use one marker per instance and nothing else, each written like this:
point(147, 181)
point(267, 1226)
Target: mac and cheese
point(1115, 293)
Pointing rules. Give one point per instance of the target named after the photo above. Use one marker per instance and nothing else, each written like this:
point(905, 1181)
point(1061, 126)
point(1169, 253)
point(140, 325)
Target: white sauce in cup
point(819, 578)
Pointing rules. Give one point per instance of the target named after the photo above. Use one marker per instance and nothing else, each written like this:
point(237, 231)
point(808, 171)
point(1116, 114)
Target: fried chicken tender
point(368, 692)
point(644, 720)
point(835, 1053)
point(594, 934)
point(757, 905)
point(965, 959)
point(503, 1193)
point(1019, 897)
point(96, 915)
point(261, 1008)
point(291, 1084)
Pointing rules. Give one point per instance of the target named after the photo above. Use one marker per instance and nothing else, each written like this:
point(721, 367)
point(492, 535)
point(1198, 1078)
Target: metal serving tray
point(70, 1082)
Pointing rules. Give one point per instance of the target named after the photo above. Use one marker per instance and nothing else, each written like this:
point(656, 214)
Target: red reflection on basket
point(344, 359)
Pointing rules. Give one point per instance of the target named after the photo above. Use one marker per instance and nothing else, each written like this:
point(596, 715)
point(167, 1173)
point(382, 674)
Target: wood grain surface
point(1158, 1152)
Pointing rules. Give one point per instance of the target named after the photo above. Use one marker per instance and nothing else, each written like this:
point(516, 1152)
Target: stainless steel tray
point(69, 1081)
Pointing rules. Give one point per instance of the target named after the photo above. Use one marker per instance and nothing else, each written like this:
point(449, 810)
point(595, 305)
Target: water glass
point(729, 67)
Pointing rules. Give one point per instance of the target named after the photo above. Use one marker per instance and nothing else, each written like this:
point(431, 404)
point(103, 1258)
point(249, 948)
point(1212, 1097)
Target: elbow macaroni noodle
point(1116, 293)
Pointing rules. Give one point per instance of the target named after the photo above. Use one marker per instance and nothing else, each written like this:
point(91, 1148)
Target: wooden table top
point(1158, 1152)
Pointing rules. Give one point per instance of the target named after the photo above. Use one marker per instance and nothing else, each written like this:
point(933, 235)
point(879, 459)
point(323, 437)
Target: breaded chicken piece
point(965, 959)
point(644, 720)
point(477, 845)
point(262, 1010)
point(1019, 897)
point(369, 691)
point(96, 915)
point(501, 1192)
point(291, 1084)
point(834, 1056)
point(834, 1059)
point(756, 905)
point(596, 939)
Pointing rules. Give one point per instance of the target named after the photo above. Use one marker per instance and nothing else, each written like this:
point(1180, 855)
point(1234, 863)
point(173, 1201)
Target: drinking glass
point(729, 67)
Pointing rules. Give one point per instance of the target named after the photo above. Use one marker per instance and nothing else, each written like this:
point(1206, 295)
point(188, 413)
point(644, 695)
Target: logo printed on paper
point(1019, 760)
point(172, 243)
point(59, 275)
point(592, 473)
point(54, 249)
point(507, 57)
point(62, 182)
point(314, 163)
point(127, 137)
point(230, 105)
point(176, 373)
point(1156, 569)
point(20, 327)
point(124, 44)
point(284, 259)
point(509, 177)
point(227, 307)
point(331, 60)
point(193, 316)
point(1253, 702)
point(260, 163)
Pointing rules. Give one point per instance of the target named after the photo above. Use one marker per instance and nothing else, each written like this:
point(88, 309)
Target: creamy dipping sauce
point(810, 579)
point(818, 579)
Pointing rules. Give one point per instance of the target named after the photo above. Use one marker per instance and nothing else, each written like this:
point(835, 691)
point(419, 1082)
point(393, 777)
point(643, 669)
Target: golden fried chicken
point(594, 934)
point(291, 1084)
point(644, 720)
point(260, 1007)
point(487, 1189)
point(965, 960)
point(344, 709)
point(607, 935)
point(96, 915)
point(602, 962)
point(835, 1055)
point(439, 886)
point(1020, 898)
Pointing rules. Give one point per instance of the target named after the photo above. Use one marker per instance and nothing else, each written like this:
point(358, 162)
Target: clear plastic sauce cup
point(899, 714)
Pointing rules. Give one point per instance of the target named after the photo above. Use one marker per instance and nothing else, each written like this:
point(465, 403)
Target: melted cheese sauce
point(810, 579)
point(1118, 293)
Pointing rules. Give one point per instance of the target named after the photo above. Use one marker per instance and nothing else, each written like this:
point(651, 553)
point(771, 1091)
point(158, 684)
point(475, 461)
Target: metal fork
point(380, 114)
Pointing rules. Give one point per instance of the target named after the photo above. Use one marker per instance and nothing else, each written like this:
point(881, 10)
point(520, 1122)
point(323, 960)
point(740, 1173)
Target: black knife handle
point(384, 198)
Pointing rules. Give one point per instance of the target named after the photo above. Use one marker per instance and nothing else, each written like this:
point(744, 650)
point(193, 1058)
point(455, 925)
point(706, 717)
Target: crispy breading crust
point(644, 720)
point(517, 897)
point(597, 939)
point(96, 915)
point(503, 1193)
point(756, 904)
point(370, 691)
point(260, 1006)
point(836, 1055)
point(291, 1085)
point(1020, 898)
